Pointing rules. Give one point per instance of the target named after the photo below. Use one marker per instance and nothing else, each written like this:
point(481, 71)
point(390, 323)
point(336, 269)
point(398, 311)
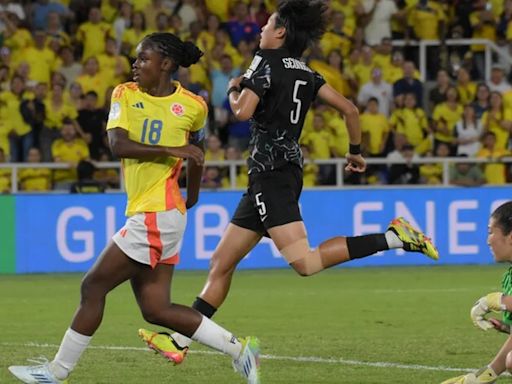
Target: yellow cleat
point(483, 376)
point(414, 240)
point(164, 344)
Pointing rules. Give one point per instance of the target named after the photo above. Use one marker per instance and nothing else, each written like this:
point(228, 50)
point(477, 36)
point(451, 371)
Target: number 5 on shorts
point(262, 209)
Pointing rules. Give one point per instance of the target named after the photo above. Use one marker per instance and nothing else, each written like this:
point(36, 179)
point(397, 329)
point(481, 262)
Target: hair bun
point(191, 54)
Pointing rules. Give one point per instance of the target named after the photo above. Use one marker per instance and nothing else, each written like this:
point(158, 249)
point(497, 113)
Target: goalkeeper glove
point(484, 305)
point(484, 375)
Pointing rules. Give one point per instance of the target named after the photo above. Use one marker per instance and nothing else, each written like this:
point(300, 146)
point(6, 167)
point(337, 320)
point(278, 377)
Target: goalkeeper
point(500, 241)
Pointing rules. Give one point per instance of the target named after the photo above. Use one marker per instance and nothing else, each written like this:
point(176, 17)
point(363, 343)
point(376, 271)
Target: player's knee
point(300, 267)
point(304, 260)
point(219, 267)
point(89, 289)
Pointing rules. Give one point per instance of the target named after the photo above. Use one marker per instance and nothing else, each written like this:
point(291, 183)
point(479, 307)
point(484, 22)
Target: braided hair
point(182, 53)
point(305, 22)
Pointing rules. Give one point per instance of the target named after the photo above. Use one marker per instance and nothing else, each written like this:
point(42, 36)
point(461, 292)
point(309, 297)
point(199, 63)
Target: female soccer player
point(499, 239)
point(276, 92)
point(149, 123)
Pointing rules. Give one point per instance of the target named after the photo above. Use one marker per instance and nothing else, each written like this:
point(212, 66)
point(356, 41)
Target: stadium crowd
point(59, 61)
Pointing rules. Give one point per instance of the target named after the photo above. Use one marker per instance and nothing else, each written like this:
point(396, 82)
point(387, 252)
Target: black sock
point(366, 245)
point(205, 308)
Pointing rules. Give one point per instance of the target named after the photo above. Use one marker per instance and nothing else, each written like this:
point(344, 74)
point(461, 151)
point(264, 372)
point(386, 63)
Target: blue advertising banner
point(65, 233)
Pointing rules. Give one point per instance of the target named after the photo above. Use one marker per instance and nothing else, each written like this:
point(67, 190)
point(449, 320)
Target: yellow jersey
point(68, 152)
point(152, 186)
point(376, 126)
point(447, 117)
point(35, 179)
point(493, 125)
point(495, 173)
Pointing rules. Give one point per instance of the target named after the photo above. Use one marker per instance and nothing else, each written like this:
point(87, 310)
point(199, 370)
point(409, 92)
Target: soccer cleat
point(164, 344)
point(36, 374)
point(482, 376)
point(414, 240)
point(248, 363)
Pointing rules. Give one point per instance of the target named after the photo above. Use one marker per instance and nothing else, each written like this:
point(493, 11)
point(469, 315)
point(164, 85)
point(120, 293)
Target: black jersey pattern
point(286, 87)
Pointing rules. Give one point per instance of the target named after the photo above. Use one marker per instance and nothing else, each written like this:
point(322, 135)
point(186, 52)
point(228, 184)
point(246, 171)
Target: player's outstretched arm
point(123, 147)
point(493, 302)
point(336, 100)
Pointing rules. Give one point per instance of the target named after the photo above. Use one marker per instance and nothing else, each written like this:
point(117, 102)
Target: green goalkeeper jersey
point(506, 287)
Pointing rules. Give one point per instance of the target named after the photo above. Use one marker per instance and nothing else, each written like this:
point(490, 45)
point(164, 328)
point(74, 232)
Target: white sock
point(393, 240)
point(182, 341)
point(71, 348)
point(216, 337)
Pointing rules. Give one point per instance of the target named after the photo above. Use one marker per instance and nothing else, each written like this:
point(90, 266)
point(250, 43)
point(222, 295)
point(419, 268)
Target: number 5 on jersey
point(295, 115)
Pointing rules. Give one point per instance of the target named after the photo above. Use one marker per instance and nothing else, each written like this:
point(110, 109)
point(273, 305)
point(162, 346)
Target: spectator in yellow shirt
point(69, 149)
point(363, 69)
point(337, 37)
point(92, 79)
point(57, 109)
point(433, 173)
point(115, 65)
point(242, 177)
point(92, 34)
point(465, 87)
point(55, 33)
point(15, 37)
point(214, 150)
point(411, 122)
point(5, 175)
point(495, 173)
point(310, 169)
point(40, 58)
point(483, 23)
point(445, 116)
point(19, 132)
point(134, 34)
point(152, 10)
point(34, 179)
point(498, 120)
point(375, 128)
point(319, 142)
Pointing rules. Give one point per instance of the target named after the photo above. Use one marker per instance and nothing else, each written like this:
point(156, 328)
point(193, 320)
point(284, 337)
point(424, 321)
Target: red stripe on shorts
point(155, 244)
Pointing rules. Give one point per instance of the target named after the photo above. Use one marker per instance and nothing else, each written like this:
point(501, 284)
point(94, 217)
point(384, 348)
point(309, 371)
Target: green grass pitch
point(351, 326)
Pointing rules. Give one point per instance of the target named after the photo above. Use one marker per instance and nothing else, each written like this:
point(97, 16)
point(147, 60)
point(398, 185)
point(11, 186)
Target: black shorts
point(272, 199)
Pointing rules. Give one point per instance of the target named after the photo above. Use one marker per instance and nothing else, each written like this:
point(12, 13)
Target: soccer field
point(351, 326)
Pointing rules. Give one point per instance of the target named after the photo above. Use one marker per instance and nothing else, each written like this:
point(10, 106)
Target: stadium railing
point(233, 165)
point(490, 48)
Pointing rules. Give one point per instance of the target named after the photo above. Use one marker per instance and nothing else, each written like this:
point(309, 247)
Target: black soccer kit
point(286, 87)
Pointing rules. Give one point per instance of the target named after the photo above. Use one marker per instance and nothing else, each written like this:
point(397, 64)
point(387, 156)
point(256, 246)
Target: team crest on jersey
point(178, 109)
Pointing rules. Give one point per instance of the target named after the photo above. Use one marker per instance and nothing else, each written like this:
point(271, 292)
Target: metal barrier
point(234, 164)
point(490, 47)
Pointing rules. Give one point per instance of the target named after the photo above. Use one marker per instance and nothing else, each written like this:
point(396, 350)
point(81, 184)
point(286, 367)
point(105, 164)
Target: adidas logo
point(138, 105)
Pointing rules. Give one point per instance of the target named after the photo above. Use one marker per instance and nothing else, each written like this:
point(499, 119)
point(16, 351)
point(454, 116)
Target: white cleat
point(35, 374)
point(248, 363)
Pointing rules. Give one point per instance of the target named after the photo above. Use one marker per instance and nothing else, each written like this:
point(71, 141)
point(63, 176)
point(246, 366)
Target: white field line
point(302, 359)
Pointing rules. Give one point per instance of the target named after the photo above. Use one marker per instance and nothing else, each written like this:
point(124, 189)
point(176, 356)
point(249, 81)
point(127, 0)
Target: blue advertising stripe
point(65, 233)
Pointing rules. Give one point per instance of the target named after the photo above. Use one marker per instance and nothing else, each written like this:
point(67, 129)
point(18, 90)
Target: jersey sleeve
point(319, 81)
point(258, 76)
point(118, 115)
point(200, 120)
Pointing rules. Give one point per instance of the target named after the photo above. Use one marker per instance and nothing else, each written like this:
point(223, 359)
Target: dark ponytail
point(183, 54)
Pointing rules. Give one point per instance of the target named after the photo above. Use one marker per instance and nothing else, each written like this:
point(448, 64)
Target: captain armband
point(197, 136)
